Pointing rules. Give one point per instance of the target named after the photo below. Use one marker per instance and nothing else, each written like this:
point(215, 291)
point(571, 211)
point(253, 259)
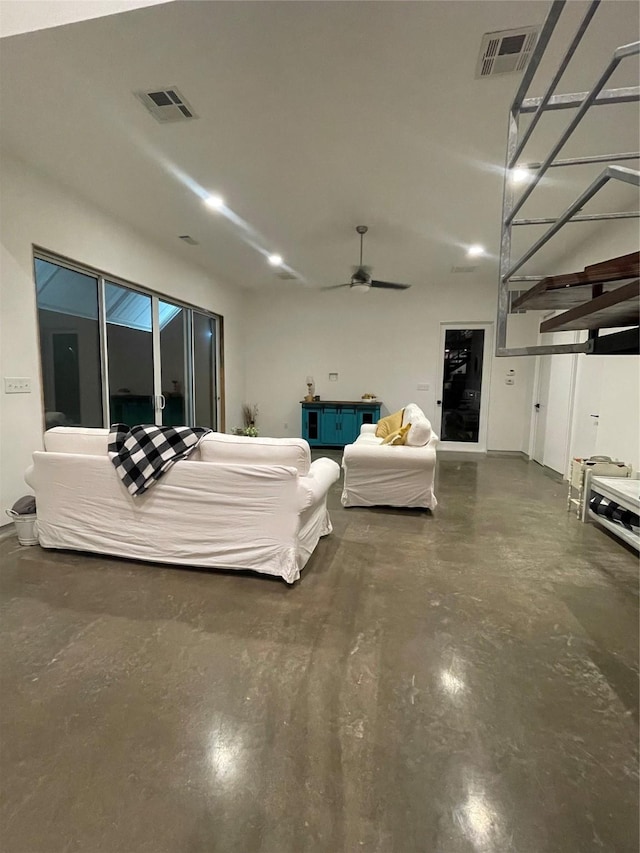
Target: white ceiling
point(26, 16)
point(314, 117)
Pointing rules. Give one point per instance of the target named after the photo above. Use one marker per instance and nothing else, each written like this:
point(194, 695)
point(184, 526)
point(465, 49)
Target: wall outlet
point(423, 386)
point(333, 377)
point(17, 385)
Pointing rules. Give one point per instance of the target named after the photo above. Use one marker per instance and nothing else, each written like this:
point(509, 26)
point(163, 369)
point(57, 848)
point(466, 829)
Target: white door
point(553, 405)
point(463, 385)
point(587, 406)
point(540, 407)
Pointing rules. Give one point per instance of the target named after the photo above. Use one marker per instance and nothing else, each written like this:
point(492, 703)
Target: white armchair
point(390, 475)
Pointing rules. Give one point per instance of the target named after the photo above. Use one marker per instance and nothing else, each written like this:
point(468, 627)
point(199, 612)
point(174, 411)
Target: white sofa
point(385, 475)
point(236, 503)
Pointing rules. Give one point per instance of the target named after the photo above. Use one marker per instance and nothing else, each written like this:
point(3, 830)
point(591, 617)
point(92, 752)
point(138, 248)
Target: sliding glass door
point(174, 372)
point(204, 370)
point(113, 353)
point(129, 355)
point(68, 308)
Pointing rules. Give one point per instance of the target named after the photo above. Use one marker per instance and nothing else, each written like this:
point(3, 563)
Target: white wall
point(609, 385)
point(37, 212)
point(379, 342)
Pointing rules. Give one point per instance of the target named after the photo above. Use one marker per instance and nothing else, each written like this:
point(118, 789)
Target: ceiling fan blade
point(390, 285)
point(336, 286)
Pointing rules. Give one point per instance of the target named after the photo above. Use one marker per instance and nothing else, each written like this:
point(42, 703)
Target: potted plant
point(249, 416)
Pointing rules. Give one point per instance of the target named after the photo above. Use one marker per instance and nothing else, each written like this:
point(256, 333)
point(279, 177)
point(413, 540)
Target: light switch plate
point(423, 386)
point(333, 377)
point(17, 385)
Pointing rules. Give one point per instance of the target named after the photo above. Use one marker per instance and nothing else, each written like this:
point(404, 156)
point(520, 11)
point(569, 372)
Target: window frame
point(42, 254)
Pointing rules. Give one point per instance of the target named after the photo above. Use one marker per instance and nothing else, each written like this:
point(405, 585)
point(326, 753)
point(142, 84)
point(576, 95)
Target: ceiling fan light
point(361, 287)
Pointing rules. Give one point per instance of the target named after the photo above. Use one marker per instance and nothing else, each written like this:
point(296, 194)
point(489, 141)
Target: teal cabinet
point(336, 423)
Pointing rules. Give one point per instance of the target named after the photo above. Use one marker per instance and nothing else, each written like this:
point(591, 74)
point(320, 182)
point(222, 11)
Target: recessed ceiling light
point(520, 175)
point(275, 260)
point(475, 251)
point(215, 202)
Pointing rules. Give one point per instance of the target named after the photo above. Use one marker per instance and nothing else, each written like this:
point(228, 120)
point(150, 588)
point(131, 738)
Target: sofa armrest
point(313, 487)
point(368, 429)
point(386, 457)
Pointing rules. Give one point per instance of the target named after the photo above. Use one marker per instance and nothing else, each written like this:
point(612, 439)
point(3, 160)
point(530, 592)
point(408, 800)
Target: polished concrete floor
point(462, 682)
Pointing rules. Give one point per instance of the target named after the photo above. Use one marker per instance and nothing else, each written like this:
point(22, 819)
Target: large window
point(70, 345)
point(113, 353)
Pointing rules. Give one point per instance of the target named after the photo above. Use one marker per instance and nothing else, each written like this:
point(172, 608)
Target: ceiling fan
point(361, 279)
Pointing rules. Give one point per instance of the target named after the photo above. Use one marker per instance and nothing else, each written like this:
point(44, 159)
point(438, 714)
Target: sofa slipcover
point(402, 476)
point(242, 512)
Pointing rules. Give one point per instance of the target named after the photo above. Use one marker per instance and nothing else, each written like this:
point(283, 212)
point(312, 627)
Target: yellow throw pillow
point(391, 423)
point(399, 436)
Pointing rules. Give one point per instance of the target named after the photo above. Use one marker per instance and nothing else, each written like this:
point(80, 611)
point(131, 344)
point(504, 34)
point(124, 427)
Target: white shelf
point(624, 492)
point(621, 532)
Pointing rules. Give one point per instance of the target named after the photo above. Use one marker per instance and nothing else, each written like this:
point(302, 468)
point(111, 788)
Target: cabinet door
point(367, 415)
point(348, 426)
point(311, 423)
point(330, 430)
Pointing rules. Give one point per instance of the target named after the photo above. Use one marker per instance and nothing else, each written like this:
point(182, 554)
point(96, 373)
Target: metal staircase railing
point(516, 142)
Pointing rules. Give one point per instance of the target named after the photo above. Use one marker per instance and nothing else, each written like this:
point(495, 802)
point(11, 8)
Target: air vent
point(463, 269)
point(187, 239)
point(166, 105)
point(283, 275)
point(506, 52)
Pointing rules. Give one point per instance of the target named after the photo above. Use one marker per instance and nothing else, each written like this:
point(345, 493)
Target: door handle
point(438, 402)
point(536, 406)
point(161, 401)
point(594, 416)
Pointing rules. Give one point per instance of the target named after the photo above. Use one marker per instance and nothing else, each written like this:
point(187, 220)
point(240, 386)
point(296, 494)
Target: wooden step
point(572, 289)
point(617, 308)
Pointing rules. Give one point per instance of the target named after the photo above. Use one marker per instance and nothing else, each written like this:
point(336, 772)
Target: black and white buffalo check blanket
point(142, 454)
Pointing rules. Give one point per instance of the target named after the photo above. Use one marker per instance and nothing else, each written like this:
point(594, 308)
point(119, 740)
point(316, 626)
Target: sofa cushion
point(420, 431)
point(398, 437)
point(389, 424)
point(86, 441)
point(243, 450)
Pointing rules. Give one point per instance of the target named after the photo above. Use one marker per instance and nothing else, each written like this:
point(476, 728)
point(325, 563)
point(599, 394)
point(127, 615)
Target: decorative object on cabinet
point(614, 503)
point(309, 397)
point(334, 423)
point(602, 466)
